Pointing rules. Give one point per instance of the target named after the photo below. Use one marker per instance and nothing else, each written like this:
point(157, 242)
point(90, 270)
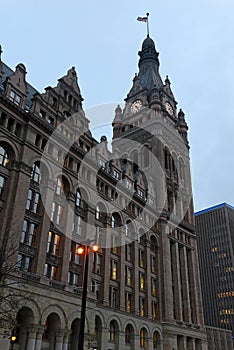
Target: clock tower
point(150, 139)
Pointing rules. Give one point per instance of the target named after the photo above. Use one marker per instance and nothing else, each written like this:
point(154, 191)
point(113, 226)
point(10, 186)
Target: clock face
point(169, 108)
point(136, 106)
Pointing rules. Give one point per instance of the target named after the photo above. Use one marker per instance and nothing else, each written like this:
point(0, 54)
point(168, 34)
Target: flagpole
point(147, 24)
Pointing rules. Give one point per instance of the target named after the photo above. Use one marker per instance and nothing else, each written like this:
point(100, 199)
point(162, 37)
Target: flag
point(142, 19)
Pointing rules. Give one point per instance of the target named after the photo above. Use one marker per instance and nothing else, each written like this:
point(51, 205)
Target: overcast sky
point(102, 39)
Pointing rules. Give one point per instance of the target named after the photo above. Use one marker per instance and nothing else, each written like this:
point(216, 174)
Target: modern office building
point(215, 232)
point(61, 189)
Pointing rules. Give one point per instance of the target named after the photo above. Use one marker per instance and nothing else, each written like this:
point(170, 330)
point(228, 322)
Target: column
point(185, 284)
point(177, 282)
point(59, 340)
point(65, 340)
point(121, 277)
point(47, 194)
point(31, 340)
point(136, 278)
point(40, 332)
point(148, 281)
point(190, 344)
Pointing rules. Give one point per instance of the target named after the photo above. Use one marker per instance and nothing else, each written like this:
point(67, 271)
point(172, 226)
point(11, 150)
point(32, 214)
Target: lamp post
point(86, 251)
point(13, 339)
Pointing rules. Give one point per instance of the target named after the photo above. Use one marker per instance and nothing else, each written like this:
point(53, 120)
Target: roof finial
point(146, 20)
point(1, 52)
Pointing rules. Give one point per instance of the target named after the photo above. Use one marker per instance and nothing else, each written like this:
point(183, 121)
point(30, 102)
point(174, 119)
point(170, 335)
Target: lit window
point(143, 338)
point(128, 302)
point(154, 310)
point(142, 306)
point(53, 243)
point(154, 288)
point(128, 248)
point(153, 264)
point(4, 158)
point(128, 276)
point(142, 281)
point(113, 270)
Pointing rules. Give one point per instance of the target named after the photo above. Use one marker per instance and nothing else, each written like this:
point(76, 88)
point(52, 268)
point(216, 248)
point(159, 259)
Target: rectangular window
point(73, 279)
point(74, 256)
point(114, 248)
point(128, 272)
point(142, 306)
point(2, 180)
point(153, 264)
point(128, 249)
point(113, 297)
point(33, 201)
point(97, 262)
point(113, 274)
point(24, 263)
point(116, 174)
point(14, 97)
point(128, 302)
point(28, 233)
point(153, 287)
point(95, 288)
point(77, 225)
point(56, 213)
point(102, 163)
point(154, 310)
point(142, 281)
point(141, 258)
point(53, 243)
point(50, 271)
point(129, 184)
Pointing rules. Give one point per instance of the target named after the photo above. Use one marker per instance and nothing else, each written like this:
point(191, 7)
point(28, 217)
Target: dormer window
point(15, 98)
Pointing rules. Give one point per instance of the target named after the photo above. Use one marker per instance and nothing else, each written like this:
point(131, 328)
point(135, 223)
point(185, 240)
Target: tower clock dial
point(169, 108)
point(136, 106)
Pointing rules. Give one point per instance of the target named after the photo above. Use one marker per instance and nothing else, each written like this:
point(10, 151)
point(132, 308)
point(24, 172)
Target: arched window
point(143, 338)
point(155, 340)
point(4, 158)
point(112, 331)
point(36, 173)
point(128, 334)
point(113, 221)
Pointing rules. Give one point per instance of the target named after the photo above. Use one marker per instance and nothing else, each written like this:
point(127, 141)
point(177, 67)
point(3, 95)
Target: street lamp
point(13, 339)
point(84, 250)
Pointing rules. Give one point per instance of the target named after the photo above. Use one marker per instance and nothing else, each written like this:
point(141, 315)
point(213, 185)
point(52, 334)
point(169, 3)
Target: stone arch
point(130, 322)
point(32, 305)
point(116, 319)
point(25, 321)
point(154, 244)
point(10, 148)
point(56, 309)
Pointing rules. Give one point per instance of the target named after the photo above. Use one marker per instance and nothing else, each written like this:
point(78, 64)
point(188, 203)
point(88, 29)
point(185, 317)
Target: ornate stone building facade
point(59, 188)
